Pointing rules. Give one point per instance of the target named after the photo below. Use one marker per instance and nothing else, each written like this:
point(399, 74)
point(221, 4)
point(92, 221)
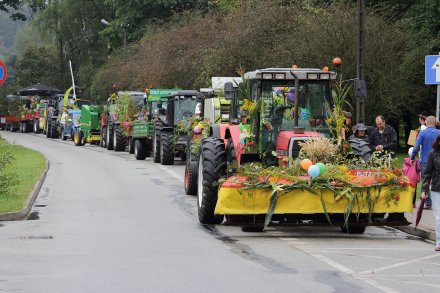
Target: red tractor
point(278, 108)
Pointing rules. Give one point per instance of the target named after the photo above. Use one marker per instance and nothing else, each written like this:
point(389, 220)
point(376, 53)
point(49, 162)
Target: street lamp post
point(124, 29)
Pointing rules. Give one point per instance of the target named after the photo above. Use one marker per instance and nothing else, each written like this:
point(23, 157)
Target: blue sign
point(2, 72)
point(432, 69)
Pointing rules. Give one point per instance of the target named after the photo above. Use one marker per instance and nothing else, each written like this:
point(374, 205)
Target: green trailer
point(89, 127)
point(140, 142)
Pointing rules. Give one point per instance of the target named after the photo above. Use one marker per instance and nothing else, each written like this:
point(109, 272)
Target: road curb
point(425, 234)
point(22, 214)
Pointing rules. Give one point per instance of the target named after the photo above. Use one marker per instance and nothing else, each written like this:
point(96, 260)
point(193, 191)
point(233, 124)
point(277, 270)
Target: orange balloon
point(305, 164)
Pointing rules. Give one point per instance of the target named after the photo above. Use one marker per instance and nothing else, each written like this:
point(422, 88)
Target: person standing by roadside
point(422, 121)
point(425, 139)
point(431, 176)
point(384, 137)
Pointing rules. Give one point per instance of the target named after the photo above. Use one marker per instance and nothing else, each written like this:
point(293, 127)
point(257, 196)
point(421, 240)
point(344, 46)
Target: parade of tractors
point(266, 148)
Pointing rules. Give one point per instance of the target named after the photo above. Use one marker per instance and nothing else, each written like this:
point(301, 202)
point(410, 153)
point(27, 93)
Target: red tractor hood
point(285, 135)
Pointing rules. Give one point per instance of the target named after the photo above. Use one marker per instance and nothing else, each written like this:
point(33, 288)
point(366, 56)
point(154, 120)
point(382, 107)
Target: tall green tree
point(37, 66)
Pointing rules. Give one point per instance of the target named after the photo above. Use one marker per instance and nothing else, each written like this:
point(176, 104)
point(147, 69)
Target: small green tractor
point(90, 126)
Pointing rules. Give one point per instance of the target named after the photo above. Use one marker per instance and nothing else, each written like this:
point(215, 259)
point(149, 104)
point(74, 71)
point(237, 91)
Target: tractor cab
point(292, 105)
point(157, 101)
point(182, 105)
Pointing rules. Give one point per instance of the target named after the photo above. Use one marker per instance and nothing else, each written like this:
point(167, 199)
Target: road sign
point(3, 73)
point(432, 69)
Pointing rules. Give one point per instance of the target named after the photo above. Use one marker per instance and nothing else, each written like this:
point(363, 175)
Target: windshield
point(184, 107)
point(155, 111)
point(76, 118)
point(139, 100)
point(278, 108)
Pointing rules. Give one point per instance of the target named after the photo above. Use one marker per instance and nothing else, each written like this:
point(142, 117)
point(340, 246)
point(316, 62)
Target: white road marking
point(179, 177)
point(360, 255)
point(399, 264)
point(346, 270)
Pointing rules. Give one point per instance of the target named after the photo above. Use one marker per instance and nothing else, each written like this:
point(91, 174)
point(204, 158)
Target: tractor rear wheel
point(167, 148)
point(140, 149)
point(131, 143)
point(119, 139)
point(191, 170)
point(156, 142)
point(212, 167)
point(109, 137)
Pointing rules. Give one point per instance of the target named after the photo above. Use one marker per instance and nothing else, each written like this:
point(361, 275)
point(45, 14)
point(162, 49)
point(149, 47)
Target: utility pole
point(359, 86)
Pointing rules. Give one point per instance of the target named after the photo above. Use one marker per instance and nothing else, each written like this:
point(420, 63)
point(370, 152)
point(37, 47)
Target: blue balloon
point(313, 171)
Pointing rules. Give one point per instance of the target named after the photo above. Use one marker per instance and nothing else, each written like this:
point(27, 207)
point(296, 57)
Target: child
point(412, 172)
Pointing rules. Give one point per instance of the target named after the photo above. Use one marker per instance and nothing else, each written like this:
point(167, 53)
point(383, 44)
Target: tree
point(36, 65)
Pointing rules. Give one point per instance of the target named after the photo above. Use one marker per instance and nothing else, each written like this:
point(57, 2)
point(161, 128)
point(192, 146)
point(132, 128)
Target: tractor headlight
point(324, 76)
point(312, 76)
point(267, 75)
point(280, 76)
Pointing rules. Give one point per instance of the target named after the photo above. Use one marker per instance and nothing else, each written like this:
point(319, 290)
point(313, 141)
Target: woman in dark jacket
point(432, 178)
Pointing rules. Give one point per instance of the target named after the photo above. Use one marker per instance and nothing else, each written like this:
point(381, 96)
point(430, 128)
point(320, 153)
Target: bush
point(7, 179)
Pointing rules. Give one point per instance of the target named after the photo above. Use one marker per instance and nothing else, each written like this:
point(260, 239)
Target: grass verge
point(28, 165)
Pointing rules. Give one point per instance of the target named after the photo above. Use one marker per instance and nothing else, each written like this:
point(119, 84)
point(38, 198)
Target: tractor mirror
point(229, 91)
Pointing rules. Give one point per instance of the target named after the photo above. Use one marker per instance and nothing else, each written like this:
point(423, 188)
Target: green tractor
point(90, 126)
point(140, 143)
point(172, 127)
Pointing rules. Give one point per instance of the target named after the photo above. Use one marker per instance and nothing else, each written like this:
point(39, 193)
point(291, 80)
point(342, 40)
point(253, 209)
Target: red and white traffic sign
point(3, 73)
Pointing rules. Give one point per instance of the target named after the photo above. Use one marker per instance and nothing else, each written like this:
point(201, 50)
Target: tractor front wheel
point(156, 142)
point(191, 169)
point(36, 126)
point(131, 143)
point(48, 129)
point(212, 167)
point(109, 137)
point(78, 138)
point(63, 134)
point(167, 148)
point(103, 133)
point(53, 130)
point(140, 149)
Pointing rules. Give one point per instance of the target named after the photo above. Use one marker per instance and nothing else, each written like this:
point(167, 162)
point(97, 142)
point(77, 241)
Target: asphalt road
point(104, 222)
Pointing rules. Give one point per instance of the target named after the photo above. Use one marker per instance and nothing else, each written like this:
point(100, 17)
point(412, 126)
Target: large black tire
point(102, 133)
point(131, 142)
point(167, 148)
point(156, 142)
point(119, 139)
point(48, 129)
point(78, 138)
point(140, 149)
point(212, 167)
point(191, 169)
point(109, 137)
point(53, 129)
point(36, 126)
